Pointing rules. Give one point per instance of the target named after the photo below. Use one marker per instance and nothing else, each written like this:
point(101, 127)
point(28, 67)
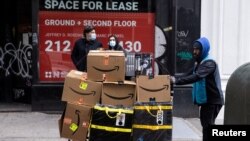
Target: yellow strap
point(117, 114)
point(147, 108)
point(153, 107)
point(112, 129)
point(152, 127)
point(114, 110)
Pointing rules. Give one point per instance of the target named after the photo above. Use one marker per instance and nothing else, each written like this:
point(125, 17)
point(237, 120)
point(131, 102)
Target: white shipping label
point(120, 120)
point(159, 117)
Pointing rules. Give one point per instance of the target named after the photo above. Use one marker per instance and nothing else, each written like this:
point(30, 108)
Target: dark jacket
point(118, 47)
point(81, 50)
point(205, 75)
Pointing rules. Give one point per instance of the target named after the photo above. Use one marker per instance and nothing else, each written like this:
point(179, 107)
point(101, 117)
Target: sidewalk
point(38, 126)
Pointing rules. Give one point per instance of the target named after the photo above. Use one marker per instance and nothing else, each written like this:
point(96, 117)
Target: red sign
point(59, 30)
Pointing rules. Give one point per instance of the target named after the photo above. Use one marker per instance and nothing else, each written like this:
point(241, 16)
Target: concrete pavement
point(38, 126)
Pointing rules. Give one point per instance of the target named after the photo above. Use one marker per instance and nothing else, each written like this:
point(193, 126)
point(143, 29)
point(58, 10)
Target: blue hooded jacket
point(199, 92)
point(205, 78)
point(205, 47)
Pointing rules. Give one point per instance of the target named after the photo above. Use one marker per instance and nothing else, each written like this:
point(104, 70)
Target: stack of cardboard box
point(81, 95)
point(104, 99)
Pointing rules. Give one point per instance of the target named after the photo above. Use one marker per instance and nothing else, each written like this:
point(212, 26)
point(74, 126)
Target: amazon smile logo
point(155, 90)
point(80, 93)
point(130, 95)
point(109, 70)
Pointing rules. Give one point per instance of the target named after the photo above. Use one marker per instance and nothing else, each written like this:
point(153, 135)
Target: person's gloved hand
point(172, 79)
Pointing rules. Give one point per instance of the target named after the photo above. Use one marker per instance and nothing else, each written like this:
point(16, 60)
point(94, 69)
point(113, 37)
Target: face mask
point(112, 43)
point(92, 36)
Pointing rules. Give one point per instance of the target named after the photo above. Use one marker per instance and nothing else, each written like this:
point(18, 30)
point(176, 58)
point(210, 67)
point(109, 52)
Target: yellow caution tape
point(152, 127)
point(153, 107)
point(112, 129)
point(113, 110)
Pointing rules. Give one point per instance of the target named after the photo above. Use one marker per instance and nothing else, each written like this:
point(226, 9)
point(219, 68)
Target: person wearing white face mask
point(82, 47)
point(113, 43)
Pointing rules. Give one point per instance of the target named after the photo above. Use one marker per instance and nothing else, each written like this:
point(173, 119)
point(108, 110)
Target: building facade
point(223, 22)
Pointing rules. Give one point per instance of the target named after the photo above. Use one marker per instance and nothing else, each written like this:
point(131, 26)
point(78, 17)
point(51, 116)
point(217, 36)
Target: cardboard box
point(80, 91)
point(153, 89)
point(75, 121)
point(106, 65)
point(114, 93)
